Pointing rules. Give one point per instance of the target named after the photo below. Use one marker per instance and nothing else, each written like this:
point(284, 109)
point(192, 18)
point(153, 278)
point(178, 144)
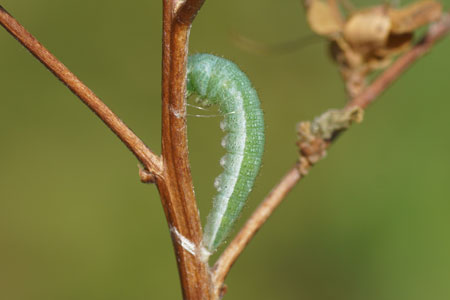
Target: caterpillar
point(218, 81)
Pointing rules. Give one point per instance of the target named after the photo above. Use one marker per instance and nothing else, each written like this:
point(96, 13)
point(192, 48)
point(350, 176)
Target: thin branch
point(256, 220)
point(176, 190)
point(187, 10)
point(150, 160)
point(276, 196)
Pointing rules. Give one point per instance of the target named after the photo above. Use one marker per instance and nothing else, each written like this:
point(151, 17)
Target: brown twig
point(176, 190)
point(150, 160)
point(171, 172)
point(186, 11)
point(279, 192)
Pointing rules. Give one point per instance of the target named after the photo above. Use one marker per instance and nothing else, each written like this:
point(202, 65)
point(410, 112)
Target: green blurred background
point(370, 222)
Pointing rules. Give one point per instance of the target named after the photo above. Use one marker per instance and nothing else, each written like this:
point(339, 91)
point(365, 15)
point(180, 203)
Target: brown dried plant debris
point(314, 137)
point(367, 39)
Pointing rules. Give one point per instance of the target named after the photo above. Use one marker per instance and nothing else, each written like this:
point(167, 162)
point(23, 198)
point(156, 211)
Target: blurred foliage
point(370, 222)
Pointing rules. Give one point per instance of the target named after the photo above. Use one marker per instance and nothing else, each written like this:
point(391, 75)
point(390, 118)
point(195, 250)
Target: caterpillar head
point(202, 78)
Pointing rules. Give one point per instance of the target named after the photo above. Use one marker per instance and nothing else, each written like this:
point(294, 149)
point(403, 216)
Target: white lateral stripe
point(183, 241)
point(223, 205)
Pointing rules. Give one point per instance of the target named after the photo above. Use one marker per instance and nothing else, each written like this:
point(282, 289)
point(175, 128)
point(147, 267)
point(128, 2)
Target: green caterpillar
point(217, 81)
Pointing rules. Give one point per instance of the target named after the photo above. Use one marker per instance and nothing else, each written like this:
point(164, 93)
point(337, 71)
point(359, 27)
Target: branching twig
point(276, 196)
point(187, 10)
point(150, 160)
point(171, 172)
point(176, 190)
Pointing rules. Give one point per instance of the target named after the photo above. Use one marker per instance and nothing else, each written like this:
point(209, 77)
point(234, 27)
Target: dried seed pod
point(367, 29)
point(322, 19)
point(415, 15)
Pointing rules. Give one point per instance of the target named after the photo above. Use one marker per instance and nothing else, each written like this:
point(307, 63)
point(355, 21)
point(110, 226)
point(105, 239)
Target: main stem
point(175, 186)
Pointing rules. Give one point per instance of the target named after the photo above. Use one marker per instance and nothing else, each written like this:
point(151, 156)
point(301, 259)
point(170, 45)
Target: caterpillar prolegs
point(217, 81)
